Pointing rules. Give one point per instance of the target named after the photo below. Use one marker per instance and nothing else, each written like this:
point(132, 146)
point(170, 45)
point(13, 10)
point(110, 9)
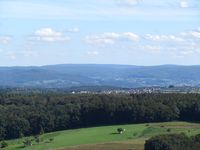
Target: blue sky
point(135, 32)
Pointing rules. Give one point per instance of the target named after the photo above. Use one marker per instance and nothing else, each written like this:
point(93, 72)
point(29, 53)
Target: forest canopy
point(23, 114)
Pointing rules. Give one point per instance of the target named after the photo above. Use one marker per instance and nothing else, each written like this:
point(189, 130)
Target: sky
point(134, 32)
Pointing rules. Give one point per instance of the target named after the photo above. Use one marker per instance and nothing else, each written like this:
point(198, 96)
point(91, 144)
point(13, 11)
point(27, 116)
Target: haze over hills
point(69, 75)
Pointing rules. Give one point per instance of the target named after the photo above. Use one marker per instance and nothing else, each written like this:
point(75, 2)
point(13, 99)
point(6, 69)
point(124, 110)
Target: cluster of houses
point(144, 90)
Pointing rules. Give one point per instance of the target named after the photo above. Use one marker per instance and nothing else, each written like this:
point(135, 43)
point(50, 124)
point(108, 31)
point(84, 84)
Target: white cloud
point(130, 2)
point(161, 38)
point(99, 40)
point(196, 34)
point(5, 39)
point(131, 36)
point(184, 4)
point(49, 35)
point(111, 38)
point(105, 38)
point(187, 52)
point(96, 10)
point(183, 44)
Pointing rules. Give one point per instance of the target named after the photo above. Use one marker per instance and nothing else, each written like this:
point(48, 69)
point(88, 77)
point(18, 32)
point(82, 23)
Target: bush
point(37, 139)
point(27, 142)
point(120, 130)
point(168, 130)
point(51, 139)
point(3, 144)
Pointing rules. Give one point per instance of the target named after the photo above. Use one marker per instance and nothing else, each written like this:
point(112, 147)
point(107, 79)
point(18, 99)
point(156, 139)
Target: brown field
point(137, 144)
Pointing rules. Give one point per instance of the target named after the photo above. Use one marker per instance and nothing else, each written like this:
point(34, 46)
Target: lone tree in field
point(41, 130)
point(120, 130)
point(27, 142)
point(37, 139)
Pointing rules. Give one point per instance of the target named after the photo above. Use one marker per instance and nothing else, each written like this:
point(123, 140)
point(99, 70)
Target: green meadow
point(104, 136)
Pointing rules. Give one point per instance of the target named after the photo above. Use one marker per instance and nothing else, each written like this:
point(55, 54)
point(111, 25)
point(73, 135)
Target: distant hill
point(127, 76)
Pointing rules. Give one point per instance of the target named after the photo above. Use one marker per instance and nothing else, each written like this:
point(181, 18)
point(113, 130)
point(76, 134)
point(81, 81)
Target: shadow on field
point(114, 133)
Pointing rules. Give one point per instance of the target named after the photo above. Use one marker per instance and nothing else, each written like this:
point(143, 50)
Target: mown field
point(106, 137)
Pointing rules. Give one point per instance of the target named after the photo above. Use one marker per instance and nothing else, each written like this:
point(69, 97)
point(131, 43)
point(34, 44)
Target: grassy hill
point(105, 137)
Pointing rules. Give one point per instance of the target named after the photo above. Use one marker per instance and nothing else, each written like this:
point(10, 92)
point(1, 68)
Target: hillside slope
point(135, 134)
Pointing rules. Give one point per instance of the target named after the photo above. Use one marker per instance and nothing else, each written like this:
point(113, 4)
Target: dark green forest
point(29, 113)
point(173, 142)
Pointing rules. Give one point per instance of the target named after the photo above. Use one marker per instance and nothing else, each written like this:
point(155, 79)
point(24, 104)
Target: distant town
point(169, 89)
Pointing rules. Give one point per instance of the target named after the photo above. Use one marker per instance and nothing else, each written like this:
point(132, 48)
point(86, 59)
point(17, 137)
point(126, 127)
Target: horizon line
point(106, 64)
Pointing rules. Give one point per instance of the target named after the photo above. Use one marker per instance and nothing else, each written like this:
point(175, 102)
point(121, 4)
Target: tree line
point(173, 142)
point(24, 114)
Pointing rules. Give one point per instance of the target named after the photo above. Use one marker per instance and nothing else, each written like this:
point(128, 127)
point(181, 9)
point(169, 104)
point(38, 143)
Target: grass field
point(106, 138)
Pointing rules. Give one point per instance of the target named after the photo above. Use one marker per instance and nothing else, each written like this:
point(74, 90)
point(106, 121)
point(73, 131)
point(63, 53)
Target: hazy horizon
point(126, 32)
point(100, 64)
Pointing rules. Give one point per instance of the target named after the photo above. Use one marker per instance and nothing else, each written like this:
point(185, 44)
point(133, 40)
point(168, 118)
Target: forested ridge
point(24, 114)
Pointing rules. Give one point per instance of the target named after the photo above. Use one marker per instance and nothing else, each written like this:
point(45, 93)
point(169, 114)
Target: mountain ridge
point(126, 76)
